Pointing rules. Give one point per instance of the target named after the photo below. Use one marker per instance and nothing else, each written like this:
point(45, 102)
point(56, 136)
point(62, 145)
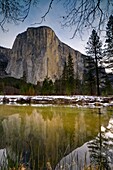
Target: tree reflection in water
point(99, 148)
point(96, 154)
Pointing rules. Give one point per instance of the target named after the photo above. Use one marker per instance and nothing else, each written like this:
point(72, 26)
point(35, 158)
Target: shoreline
point(75, 100)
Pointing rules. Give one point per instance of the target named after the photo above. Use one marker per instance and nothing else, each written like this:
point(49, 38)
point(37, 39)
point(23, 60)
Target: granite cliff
point(37, 53)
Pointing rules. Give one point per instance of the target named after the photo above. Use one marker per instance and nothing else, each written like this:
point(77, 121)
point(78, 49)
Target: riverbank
point(77, 100)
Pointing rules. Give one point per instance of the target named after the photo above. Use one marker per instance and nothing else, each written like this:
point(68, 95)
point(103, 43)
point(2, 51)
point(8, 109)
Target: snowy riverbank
point(77, 100)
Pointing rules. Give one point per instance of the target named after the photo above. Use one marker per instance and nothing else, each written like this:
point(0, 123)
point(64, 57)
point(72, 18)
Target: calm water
point(47, 133)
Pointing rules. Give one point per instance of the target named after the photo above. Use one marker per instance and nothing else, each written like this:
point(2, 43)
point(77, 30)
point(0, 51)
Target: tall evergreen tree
point(93, 49)
point(65, 78)
point(47, 86)
point(109, 43)
point(58, 86)
point(89, 76)
point(70, 75)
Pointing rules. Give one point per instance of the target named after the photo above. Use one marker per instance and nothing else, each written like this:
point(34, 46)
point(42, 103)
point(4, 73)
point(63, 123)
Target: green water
point(51, 132)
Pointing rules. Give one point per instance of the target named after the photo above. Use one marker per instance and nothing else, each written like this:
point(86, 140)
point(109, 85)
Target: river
point(47, 133)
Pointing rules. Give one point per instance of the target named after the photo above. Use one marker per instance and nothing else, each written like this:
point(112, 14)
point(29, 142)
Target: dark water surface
point(37, 135)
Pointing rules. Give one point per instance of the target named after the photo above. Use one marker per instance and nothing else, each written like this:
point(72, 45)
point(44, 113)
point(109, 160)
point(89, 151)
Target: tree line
point(96, 77)
point(95, 80)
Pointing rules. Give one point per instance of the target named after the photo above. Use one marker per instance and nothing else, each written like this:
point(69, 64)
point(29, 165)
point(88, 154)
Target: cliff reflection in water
point(44, 136)
point(94, 154)
point(49, 136)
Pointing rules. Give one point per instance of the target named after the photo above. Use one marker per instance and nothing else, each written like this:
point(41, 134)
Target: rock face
point(4, 58)
point(38, 53)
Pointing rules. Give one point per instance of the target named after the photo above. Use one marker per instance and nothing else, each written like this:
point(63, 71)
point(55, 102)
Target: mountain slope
point(4, 59)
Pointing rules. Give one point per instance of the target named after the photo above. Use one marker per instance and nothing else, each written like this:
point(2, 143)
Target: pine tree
point(70, 76)
point(109, 43)
point(47, 86)
point(89, 76)
point(58, 86)
point(67, 78)
point(64, 78)
point(93, 49)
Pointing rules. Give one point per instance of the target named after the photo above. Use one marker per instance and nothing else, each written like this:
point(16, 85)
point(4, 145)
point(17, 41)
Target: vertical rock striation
point(37, 53)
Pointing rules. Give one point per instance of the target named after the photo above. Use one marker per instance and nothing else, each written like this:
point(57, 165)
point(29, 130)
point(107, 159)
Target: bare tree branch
point(85, 14)
point(46, 13)
point(14, 11)
point(80, 15)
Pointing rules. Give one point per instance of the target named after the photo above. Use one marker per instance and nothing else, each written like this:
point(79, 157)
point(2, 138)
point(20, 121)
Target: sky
point(52, 20)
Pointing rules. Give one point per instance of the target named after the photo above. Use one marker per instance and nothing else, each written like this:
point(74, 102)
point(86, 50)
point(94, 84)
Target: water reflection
point(43, 136)
point(95, 154)
point(98, 149)
point(101, 148)
point(48, 135)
